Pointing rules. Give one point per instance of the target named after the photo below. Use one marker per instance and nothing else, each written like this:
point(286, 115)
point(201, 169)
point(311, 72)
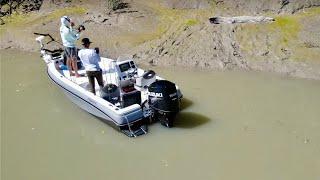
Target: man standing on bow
point(69, 36)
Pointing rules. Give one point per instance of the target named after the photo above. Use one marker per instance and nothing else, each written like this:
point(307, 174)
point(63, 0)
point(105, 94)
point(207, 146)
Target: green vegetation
point(284, 33)
point(312, 12)
point(18, 20)
point(288, 26)
point(169, 19)
point(22, 19)
point(191, 22)
point(65, 11)
point(114, 4)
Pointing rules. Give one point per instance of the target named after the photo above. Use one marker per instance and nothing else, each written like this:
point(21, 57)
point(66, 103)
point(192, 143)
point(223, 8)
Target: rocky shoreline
point(173, 33)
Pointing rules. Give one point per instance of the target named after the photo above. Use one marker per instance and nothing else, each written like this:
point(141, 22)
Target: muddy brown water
point(234, 125)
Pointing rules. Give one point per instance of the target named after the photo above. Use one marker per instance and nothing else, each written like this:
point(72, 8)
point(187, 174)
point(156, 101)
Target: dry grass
point(16, 21)
point(283, 33)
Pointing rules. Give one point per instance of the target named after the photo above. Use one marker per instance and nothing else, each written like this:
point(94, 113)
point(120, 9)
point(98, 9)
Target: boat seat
point(130, 98)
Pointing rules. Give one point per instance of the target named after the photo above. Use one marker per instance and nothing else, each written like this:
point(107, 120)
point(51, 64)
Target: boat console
point(127, 72)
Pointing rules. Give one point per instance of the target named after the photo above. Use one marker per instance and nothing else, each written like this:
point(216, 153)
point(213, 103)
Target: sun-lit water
point(234, 125)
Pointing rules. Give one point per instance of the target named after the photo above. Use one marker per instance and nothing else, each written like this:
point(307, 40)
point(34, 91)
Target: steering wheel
point(131, 72)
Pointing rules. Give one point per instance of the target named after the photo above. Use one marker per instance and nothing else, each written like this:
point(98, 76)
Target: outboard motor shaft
point(163, 100)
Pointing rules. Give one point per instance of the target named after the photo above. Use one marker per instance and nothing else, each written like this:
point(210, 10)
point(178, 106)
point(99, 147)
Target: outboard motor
point(111, 93)
point(163, 100)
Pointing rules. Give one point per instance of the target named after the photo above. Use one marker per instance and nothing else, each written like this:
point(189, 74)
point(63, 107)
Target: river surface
point(234, 125)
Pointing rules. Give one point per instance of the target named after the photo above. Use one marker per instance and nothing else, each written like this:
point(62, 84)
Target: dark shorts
point(70, 51)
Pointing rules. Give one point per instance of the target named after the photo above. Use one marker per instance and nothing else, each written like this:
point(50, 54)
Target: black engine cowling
point(163, 100)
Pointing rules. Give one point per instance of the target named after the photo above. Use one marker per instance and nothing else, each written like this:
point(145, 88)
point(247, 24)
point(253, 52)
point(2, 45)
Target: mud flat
point(179, 33)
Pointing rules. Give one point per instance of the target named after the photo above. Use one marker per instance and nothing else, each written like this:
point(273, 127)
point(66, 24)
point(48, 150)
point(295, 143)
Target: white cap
point(65, 20)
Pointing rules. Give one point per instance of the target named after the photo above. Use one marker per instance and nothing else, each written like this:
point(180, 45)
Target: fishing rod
point(80, 28)
point(48, 35)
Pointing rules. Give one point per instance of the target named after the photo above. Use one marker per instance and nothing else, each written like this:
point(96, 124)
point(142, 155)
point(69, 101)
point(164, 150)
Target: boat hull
point(132, 123)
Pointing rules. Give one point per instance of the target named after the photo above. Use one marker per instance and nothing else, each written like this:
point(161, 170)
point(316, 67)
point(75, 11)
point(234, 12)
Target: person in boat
point(69, 36)
point(90, 59)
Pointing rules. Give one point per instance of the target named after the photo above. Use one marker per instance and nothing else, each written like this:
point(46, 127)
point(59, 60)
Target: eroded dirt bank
point(165, 33)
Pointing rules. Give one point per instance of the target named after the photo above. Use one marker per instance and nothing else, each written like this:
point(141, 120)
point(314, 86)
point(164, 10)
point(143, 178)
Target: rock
point(161, 50)
point(104, 20)
point(88, 21)
point(284, 3)
point(311, 45)
point(265, 53)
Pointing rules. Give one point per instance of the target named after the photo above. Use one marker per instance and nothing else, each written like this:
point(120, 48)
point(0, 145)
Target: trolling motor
point(48, 54)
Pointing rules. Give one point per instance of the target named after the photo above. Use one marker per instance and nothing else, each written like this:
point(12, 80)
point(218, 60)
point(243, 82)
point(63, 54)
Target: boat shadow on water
point(184, 120)
point(190, 120)
point(185, 103)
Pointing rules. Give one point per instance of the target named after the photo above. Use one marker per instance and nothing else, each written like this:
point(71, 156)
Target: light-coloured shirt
point(90, 59)
point(68, 36)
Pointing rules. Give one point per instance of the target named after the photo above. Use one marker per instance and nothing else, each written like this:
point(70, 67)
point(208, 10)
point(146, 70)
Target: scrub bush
point(114, 4)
